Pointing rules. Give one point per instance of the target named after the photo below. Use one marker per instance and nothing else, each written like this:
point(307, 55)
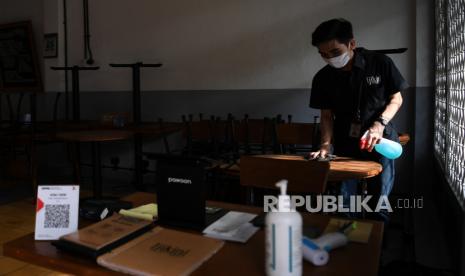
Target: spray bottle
point(385, 147)
point(283, 237)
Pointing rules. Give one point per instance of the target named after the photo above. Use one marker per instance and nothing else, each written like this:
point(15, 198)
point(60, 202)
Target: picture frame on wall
point(50, 45)
point(19, 65)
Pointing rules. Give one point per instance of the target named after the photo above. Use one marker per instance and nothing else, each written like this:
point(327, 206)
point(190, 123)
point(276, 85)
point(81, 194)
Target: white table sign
point(57, 211)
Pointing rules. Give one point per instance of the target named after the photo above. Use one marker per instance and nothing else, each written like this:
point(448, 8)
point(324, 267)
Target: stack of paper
point(234, 226)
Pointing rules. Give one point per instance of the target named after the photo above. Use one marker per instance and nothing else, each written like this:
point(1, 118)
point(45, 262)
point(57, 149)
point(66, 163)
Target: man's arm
point(376, 130)
point(326, 128)
point(393, 106)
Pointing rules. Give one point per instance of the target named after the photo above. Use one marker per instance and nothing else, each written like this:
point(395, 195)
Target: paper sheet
point(234, 226)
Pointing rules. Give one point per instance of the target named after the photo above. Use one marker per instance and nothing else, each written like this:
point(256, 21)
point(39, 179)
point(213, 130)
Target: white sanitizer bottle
point(283, 237)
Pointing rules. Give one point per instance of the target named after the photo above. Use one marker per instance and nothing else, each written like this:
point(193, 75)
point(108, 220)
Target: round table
point(341, 168)
point(344, 168)
point(95, 137)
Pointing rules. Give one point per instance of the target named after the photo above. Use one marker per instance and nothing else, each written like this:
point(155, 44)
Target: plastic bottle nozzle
point(282, 185)
point(363, 140)
point(284, 200)
point(363, 143)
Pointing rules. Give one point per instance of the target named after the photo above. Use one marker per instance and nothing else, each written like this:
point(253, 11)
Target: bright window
point(449, 125)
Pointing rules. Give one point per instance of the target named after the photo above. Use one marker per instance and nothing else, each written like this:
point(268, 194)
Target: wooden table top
point(98, 125)
point(154, 131)
point(94, 135)
point(232, 259)
point(49, 131)
point(341, 168)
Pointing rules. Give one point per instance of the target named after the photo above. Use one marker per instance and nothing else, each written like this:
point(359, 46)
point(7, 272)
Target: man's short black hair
point(338, 28)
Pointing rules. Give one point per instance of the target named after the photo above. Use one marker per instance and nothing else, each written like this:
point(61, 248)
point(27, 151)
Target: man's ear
point(352, 44)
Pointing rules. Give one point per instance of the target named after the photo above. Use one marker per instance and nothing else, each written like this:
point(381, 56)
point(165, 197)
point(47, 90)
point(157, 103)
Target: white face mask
point(339, 61)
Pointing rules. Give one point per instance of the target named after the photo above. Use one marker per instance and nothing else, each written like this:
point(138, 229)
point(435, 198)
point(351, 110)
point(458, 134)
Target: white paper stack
point(234, 226)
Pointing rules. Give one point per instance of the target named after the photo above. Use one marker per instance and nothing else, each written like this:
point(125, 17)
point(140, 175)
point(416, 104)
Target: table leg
point(250, 195)
point(364, 185)
point(75, 156)
point(96, 169)
point(138, 179)
point(33, 168)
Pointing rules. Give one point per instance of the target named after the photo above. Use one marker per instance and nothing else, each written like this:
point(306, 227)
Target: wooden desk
point(341, 168)
point(232, 259)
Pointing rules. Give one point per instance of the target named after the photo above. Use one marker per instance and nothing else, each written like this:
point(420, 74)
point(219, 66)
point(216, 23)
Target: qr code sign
point(56, 216)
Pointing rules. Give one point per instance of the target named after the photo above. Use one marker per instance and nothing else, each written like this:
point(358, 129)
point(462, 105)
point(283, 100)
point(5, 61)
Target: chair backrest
point(298, 134)
point(161, 125)
point(219, 129)
point(254, 135)
point(264, 171)
point(197, 134)
point(253, 131)
point(200, 130)
point(295, 133)
point(197, 130)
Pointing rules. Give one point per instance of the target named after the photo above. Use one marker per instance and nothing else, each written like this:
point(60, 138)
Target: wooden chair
point(198, 136)
point(254, 136)
point(245, 137)
point(297, 137)
point(234, 138)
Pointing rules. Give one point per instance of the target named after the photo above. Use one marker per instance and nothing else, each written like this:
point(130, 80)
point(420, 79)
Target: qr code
point(56, 216)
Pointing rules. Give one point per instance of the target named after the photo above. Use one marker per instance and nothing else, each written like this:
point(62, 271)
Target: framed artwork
point(50, 45)
point(19, 66)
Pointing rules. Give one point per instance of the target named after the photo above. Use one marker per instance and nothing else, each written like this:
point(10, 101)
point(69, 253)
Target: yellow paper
point(151, 209)
point(147, 212)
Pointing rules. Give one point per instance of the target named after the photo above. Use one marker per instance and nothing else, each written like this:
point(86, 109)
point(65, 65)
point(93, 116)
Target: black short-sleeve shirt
point(367, 88)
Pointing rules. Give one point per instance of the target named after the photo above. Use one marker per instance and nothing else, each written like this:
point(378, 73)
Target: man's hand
point(375, 133)
point(323, 152)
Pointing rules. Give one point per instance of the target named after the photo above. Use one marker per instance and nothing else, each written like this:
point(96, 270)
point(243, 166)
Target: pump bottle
point(283, 237)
